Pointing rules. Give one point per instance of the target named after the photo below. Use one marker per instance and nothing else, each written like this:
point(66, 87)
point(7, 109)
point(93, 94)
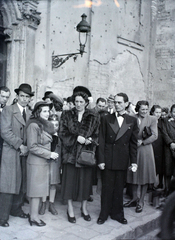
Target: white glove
point(81, 140)
point(133, 167)
point(101, 166)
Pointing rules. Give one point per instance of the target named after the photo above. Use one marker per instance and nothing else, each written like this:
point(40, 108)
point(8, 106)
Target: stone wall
point(164, 78)
point(130, 47)
point(117, 57)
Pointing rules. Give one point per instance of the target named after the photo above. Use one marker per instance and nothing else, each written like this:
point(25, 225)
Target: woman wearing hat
point(39, 138)
point(78, 128)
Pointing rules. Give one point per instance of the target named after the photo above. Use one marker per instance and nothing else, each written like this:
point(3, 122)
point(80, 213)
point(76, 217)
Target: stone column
point(20, 22)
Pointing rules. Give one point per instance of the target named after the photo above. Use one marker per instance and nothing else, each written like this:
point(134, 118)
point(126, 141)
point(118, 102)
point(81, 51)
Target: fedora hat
point(46, 95)
point(26, 88)
point(111, 98)
point(82, 89)
point(42, 104)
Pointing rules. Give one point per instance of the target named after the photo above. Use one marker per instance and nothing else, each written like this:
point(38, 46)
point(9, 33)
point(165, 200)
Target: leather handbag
point(146, 132)
point(87, 158)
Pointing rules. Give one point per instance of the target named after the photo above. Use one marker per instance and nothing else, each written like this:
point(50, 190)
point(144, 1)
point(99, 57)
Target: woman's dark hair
point(165, 109)
point(154, 107)
point(36, 114)
point(139, 103)
point(172, 107)
point(57, 105)
point(81, 94)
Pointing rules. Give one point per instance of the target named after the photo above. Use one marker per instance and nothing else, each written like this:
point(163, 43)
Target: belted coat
point(13, 132)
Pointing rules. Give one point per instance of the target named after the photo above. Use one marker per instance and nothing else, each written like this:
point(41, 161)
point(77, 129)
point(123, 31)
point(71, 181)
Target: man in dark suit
point(14, 152)
point(4, 97)
point(117, 145)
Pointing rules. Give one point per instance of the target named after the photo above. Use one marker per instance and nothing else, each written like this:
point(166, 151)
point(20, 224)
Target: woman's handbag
point(87, 158)
point(146, 132)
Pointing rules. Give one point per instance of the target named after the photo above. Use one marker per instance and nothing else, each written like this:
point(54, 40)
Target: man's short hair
point(100, 99)
point(124, 95)
point(5, 89)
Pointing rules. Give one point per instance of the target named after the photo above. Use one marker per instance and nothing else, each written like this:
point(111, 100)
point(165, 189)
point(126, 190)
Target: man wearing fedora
point(110, 104)
point(14, 152)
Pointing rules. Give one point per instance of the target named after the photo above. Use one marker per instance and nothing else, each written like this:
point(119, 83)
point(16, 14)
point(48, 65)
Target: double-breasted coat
point(117, 146)
point(13, 170)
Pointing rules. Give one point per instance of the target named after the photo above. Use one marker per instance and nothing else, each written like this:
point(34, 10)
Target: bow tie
point(120, 115)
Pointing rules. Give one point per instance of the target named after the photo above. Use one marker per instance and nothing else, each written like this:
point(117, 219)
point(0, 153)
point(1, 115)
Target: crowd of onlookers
point(44, 144)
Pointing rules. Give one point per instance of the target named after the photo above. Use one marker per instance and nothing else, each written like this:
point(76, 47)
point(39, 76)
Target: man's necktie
point(24, 114)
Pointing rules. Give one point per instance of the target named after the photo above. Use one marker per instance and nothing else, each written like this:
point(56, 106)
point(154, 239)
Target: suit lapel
point(114, 123)
point(17, 114)
point(125, 126)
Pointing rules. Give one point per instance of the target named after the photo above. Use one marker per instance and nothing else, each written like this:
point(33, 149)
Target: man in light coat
point(14, 152)
point(117, 145)
point(4, 97)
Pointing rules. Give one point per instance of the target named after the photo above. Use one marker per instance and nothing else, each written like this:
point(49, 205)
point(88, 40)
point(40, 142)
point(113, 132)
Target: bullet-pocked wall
point(122, 49)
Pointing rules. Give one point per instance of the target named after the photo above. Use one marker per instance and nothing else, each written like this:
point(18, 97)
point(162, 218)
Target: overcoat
point(117, 145)
point(14, 134)
point(169, 137)
point(39, 146)
point(70, 129)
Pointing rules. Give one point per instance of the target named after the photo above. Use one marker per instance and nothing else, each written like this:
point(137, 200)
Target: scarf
point(43, 124)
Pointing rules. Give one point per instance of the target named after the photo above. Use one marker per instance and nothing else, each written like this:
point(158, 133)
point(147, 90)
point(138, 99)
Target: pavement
point(58, 228)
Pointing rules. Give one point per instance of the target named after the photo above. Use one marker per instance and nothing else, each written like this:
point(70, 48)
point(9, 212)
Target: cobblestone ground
point(58, 227)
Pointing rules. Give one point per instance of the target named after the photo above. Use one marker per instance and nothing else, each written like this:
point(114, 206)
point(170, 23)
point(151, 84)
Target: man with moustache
point(14, 152)
point(117, 145)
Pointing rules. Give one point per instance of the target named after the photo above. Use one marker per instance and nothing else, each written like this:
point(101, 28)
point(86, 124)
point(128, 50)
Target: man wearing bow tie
point(14, 152)
point(117, 146)
point(4, 97)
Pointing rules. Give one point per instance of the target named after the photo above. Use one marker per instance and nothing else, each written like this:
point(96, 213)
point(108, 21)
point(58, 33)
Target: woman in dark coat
point(158, 145)
point(169, 138)
point(39, 138)
point(78, 128)
point(146, 173)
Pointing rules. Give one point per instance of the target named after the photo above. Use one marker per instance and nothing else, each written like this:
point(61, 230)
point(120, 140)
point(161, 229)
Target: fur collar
point(43, 124)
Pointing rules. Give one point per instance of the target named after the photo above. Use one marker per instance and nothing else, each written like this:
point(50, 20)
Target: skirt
point(146, 172)
point(76, 183)
point(37, 180)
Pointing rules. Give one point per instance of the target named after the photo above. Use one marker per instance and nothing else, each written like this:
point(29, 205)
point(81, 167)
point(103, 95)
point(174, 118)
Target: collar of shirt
point(120, 115)
point(120, 119)
point(21, 108)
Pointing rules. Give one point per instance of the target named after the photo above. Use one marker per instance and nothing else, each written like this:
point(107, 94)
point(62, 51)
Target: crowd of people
point(44, 145)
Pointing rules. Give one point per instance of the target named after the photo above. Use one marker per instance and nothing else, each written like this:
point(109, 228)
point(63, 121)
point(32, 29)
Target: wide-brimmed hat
point(46, 94)
point(42, 104)
point(111, 98)
point(26, 88)
point(82, 89)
